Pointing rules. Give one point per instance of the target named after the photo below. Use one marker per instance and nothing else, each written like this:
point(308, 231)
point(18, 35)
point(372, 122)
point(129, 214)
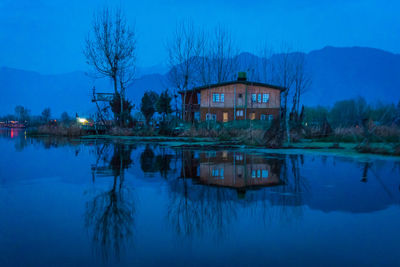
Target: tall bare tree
point(223, 55)
point(111, 51)
point(284, 75)
point(301, 83)
point(265, 66)
point(184, 49)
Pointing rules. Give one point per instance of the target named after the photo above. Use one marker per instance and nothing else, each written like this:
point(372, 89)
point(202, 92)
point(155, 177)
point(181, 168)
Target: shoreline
point(204, 143)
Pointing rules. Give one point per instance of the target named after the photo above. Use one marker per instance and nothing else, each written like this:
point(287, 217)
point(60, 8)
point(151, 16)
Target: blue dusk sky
point(48, 35)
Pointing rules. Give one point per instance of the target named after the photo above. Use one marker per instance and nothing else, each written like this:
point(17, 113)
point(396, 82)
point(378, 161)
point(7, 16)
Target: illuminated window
point(270, 117)
point(263, 117)
point(265, 98)
point(254, 97)
point(253, 174)
point(215, 97)
point(239, 113)
point(252, 116)
point(222, 97)
point(259, 98)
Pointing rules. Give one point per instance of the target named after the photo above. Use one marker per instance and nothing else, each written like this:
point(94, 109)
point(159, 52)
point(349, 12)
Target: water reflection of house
point(232, 169)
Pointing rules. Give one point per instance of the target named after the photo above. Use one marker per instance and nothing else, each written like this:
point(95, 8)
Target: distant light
point(82, 120)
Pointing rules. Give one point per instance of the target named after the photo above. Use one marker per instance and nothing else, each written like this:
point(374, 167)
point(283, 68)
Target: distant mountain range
point(337, 74)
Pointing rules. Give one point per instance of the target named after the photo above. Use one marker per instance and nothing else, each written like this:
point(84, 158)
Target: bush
point(59, 130)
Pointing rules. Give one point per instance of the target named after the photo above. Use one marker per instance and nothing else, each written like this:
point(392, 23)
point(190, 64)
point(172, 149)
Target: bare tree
point(265, 66)
point(184, 49)
point(111, 51)
point(222, 55)
point(301, 83)
point(284, 75)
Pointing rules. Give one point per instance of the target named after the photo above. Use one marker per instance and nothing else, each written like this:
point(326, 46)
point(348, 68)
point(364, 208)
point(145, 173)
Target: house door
point(225, 116)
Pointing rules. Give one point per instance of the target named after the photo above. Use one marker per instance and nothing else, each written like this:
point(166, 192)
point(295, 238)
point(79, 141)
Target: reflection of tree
point(151, 163)
point(197, 209)
point(110, 214)
point(147, 160)
point(289, 198)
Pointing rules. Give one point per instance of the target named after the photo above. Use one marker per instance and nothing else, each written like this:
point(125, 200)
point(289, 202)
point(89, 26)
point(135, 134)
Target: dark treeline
point(353, 112)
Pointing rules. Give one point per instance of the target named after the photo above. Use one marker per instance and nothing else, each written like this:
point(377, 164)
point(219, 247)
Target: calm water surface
point(72, 203)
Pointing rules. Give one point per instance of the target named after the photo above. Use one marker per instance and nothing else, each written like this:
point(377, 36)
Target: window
point(252, 116)
point(254, 97)
point(240, 95)
point(265, 98)
point(210, 116)
point(259, 98)
point(215, 97)
point(270, 117)
point(222, 97)
point(253, 174)
point(258, 173)
point(239, 157)
point(264, 173)
point(239, 113)
point(263, 117)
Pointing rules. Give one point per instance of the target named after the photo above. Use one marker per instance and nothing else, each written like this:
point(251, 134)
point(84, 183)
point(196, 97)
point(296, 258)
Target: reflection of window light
point(212, 154)
point(225, 154)
point(216, 172)
point(239, 157)
point(253, 174)
point(258, 173)
point(222, 172)
point(264, 173)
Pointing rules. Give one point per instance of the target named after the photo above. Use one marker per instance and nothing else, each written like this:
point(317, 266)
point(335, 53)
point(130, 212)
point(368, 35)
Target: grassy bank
point(237, 134)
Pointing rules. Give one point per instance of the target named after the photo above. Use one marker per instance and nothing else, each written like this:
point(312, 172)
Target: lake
point(115, 203)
